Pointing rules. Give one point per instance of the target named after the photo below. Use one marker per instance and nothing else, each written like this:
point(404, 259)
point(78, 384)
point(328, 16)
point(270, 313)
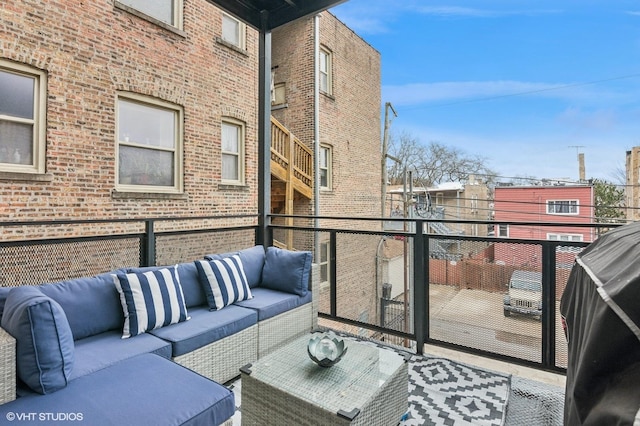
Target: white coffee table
point(369, 386)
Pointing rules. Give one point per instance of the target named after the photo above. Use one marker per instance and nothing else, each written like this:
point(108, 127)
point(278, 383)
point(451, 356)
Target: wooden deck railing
point(294, 158)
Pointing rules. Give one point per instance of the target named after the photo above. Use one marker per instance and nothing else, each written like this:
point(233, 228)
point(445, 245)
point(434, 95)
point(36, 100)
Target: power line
point(528, 92)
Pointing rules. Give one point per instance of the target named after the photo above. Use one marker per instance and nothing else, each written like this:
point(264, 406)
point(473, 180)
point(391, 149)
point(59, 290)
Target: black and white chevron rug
point(444, 392)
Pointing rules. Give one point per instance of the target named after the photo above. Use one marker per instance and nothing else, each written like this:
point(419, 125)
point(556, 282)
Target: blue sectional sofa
point(149, 345)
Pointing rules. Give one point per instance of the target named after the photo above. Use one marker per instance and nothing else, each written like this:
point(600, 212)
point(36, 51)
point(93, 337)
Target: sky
point(525, 84)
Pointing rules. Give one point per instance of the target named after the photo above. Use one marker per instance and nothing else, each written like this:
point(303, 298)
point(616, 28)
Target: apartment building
point(566, 204)
point(343, 114)
point(120, 109)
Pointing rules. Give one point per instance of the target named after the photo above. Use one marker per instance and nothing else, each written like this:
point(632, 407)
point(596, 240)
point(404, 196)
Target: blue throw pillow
point(44, 342)
point(150, 300)
point(224, 281)
point(287, 271)
point(252, 261)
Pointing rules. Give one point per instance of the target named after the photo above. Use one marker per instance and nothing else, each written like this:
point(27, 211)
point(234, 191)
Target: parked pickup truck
point(525, 294)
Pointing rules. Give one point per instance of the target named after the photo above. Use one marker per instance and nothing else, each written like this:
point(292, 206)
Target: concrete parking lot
point(475, 318)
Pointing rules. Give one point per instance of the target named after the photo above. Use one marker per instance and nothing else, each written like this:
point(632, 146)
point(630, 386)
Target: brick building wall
point(91, 52)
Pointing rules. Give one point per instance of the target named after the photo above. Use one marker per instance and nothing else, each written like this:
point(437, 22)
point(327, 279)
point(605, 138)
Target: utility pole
point(385, 148)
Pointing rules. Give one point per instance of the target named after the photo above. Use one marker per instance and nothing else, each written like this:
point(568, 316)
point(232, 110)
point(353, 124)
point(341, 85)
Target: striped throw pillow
point(150, 300)
point(224, 281)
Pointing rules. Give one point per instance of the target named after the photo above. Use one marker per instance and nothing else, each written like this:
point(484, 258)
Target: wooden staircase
point(291, 174)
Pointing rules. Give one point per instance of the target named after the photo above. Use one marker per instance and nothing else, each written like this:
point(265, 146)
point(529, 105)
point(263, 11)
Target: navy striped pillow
point(224, 281)
point(150, 300)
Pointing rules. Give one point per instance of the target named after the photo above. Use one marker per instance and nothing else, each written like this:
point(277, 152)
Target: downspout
point(263, 236)
point(316, 132)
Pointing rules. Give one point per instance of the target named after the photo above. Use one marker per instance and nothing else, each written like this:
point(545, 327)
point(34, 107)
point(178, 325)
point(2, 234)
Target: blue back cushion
point(91, 304)
point(287, 271)
point(188, 276)
point(4, 292)
point(252, 262)
point(44, 343)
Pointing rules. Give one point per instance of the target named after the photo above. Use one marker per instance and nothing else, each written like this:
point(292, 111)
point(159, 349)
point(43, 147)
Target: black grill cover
point(601, 309)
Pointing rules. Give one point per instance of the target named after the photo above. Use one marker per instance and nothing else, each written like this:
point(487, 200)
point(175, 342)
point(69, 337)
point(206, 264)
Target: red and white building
point(523, 211)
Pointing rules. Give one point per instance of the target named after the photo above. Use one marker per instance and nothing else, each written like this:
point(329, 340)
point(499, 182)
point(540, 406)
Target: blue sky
point(519, 82)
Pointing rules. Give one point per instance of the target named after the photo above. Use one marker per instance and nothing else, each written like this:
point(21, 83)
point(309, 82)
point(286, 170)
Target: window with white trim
point(562, 206)
point(23, 98)
point(325, 167)
point(232, 152)
point(167, 11)
point(324, 67)
point(233, 31)
point(474, 204)
point(565, 237)
point(279, 94)
point(150, 138)
point(503, 230)
point(324, 263)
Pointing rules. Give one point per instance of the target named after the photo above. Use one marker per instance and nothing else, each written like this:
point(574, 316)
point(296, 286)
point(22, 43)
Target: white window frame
point(474, 204)
point(325, 65)
point(325, 248)
point(176, 6)
point(326, 156)
point(572, 204)
point(240, 31)
point(502, 231)
point(565, 237)
point(279, 94)
point(240, 128)
point(177, 149)
point(38, 121)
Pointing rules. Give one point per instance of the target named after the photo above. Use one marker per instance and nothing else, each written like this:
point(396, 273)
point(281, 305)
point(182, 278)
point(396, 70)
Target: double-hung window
point(232, 152)
point(233, 31)
point(325, 167)
point(150, 137)
point(23, 97)
point(562, 206)
point(166, 11)
point(324, 67)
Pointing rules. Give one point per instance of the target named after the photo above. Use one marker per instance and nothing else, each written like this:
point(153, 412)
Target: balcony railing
point(291, 160)
point(385, 285)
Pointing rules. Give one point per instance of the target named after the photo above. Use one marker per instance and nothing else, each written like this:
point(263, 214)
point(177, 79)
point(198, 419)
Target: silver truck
point(525, 294)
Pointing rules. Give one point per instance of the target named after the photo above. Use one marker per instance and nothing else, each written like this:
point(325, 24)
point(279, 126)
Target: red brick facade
point(93, 51)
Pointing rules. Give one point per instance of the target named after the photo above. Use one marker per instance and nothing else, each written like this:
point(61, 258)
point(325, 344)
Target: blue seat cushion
point(145, 390)
point(102, 350)
point(44, 342)
point(269, 303)
point(206, 327)
point(88, 297)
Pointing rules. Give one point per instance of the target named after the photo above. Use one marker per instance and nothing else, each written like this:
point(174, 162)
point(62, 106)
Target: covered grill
point(601, 313)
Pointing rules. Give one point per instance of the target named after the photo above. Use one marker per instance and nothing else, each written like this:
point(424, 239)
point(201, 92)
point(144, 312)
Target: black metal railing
point(406, 287)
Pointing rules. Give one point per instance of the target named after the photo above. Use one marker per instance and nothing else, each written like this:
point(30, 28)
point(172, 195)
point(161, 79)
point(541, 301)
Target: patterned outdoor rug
point(444, 392)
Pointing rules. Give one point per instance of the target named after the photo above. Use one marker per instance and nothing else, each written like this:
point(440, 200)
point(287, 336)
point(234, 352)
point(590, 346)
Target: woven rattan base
point(368, 387)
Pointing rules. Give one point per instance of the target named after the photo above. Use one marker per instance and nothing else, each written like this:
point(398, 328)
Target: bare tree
point(433, 163)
